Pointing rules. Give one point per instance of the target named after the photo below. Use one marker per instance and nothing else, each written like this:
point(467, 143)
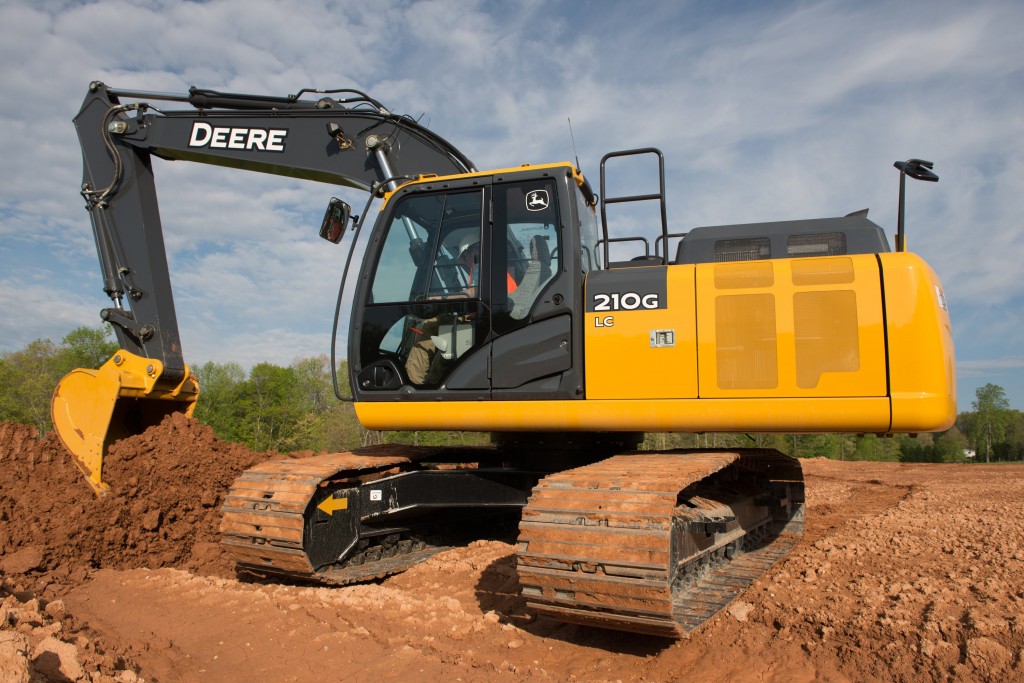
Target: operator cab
point(470, 289)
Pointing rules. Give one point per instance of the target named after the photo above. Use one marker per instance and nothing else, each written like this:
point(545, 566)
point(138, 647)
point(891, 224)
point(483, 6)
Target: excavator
point(500, 301)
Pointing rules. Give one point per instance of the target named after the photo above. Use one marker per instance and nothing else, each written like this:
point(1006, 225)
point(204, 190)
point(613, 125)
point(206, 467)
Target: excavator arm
point(344, 137)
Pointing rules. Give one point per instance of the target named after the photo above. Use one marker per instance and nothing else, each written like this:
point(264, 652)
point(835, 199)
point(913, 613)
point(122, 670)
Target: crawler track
point(657, 543)
point(265, 526)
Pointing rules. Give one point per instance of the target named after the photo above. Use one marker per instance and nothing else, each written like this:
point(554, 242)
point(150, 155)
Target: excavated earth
point(906, 572)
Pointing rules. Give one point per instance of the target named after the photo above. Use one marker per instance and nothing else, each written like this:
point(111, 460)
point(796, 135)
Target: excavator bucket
point(93, 408)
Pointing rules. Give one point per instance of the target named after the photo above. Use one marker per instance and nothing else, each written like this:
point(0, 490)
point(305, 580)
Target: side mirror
point(918, 169)
point(335, 220)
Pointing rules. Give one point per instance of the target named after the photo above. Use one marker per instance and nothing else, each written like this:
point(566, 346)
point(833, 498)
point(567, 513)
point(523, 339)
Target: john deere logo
point(537, 200)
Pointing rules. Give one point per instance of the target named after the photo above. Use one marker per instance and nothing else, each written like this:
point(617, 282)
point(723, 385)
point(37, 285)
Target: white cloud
point(278, 345)
point(34, 309)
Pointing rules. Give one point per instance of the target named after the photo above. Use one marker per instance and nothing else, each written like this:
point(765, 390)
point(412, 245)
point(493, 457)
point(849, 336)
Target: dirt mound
point(166, 486)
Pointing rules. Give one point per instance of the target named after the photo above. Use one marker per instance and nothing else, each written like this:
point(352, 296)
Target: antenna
point(573, 138)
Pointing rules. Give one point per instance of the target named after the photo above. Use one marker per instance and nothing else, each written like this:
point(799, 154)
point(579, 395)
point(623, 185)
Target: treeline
point(293, 408)
point(995, 431)
point(28, 376)
point(268, 408)
point(945, 447)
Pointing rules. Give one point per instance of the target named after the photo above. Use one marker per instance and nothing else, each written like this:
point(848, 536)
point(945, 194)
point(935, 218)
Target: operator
point(421, 355)
point(469, 259)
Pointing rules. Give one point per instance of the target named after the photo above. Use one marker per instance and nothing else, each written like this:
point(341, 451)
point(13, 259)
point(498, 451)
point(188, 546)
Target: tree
point(870, 447)
point(28, 376)
point(269, 408)
point(313, 383)
point(87, 347)
point(217, 404)
point(1012, 446)
point(950, 446)
point(991, 409)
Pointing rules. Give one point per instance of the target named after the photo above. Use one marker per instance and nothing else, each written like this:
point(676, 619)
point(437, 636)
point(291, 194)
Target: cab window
point(421, 253)
point(590, 255)
point(526, 236)
point(424, 312)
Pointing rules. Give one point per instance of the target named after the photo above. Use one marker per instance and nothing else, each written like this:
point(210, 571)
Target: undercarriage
point(647, 542)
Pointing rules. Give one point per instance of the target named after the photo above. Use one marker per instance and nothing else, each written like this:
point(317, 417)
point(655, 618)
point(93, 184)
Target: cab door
point(468, 296)
point(422, 309)
point(533, 354)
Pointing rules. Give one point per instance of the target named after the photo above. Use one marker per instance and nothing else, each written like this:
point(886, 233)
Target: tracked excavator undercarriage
point(648, 542)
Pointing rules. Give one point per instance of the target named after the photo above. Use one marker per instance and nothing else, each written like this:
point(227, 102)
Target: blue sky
point(765, 111)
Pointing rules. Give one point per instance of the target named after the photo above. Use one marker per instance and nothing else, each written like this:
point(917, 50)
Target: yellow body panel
point(855, 343)
point(787, 328)
point(620, 359)
point(922, 372)
point(645, 415)
point(791, 328)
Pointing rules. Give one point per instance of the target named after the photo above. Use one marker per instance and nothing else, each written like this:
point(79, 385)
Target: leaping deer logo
point(537, 200)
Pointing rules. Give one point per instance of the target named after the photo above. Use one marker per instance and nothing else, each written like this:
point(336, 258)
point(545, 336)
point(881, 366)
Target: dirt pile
point(166, 486)
point(929, 584)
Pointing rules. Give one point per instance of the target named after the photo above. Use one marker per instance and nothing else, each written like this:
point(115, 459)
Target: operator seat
point(537, 274)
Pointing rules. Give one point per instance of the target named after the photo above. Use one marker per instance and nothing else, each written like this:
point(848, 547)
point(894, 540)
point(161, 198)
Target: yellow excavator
point(500, 301)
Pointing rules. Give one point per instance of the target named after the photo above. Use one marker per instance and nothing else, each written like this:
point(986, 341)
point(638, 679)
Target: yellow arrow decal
point(329, 505)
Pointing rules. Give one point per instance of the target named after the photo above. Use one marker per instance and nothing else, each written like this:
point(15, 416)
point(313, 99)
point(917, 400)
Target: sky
point(764, 111)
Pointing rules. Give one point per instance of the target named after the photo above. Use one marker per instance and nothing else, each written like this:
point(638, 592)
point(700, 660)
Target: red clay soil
point(906, 572)
point(166, 486)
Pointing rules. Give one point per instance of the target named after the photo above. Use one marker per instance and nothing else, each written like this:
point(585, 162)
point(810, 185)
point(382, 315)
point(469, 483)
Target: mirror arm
point(900, 238)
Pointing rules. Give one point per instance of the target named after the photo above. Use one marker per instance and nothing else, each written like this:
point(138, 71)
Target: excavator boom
point(353, 142)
